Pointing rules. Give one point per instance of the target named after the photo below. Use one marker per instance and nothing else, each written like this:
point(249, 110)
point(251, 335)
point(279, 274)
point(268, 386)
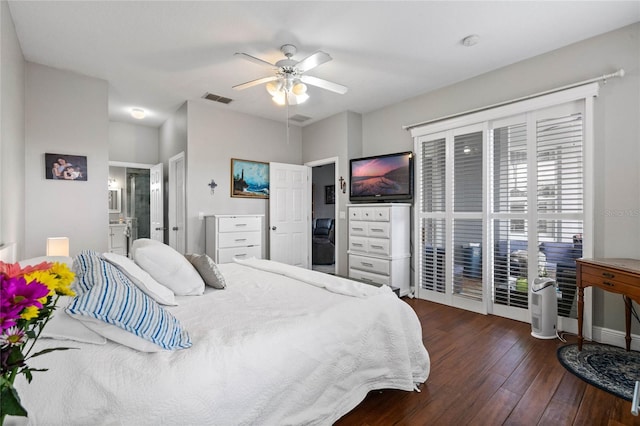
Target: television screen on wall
point(383, 178)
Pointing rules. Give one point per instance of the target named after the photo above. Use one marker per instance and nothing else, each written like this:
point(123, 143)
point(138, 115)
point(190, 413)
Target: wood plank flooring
point(487, 370)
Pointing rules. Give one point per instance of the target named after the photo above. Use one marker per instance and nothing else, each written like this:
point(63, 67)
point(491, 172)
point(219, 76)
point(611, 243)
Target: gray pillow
point(207, 269)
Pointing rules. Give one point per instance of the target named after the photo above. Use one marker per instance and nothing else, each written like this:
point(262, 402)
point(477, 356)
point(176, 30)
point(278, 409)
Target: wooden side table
point(614, 275)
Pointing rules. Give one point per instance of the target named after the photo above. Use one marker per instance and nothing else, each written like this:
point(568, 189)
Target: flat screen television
point(383, 178)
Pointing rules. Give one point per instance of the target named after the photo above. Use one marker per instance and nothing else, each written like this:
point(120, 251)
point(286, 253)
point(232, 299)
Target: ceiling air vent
point(217, 98)
point(299, 118)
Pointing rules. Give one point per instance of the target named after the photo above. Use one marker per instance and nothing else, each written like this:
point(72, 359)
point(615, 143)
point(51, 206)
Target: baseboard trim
point(615, 338)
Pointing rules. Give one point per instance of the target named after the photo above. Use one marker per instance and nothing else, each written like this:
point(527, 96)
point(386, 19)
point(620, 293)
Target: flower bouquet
point(28, 298)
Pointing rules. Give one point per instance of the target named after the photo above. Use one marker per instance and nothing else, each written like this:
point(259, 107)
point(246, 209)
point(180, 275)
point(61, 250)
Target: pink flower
point(15, 295)
point(11, 270)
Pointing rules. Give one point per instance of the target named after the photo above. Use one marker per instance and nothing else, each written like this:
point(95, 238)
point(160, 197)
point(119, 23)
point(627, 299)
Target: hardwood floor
point(487, 370)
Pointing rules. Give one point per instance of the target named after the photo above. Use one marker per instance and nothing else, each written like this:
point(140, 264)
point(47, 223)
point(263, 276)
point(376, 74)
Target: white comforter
point(267, 350)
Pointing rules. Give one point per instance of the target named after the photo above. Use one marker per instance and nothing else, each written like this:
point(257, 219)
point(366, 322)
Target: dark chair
point(323, 242)
point(322, 227)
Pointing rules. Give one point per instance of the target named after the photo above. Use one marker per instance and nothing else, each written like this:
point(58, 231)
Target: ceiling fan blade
point(324, 84)
point(313, 61)
point(255, 60)
point(254, 82)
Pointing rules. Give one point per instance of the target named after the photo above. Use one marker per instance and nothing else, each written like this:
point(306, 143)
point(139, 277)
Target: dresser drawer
point(378, 230)
point(379, 214)
point(235, 224)
point(358, 228)
point(614, 281)
point(358, 244)
point(370, 264)
point(226, 255)
point(239, 239)
point(378, 246)
point(368, 277)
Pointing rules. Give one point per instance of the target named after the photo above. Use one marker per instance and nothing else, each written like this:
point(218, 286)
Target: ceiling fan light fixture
point(278, 98)
point(273, 88)
point(300, 89)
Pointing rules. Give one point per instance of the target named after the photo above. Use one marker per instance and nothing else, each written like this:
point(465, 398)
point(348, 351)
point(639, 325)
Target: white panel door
point(156, 199)
point(289, 214)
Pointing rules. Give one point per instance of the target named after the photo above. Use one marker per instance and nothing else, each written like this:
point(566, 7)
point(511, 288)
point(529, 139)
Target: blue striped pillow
point(108, 295)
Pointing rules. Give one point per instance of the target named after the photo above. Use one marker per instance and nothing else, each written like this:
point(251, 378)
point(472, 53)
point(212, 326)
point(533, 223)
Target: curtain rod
point(604, 77)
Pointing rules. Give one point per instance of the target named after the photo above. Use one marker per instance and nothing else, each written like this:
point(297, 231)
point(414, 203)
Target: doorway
point(323, 216)
point(133, 204)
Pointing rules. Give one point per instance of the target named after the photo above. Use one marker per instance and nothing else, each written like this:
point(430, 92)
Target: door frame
point(146, 166)
point(177, 240)
point(336, 222)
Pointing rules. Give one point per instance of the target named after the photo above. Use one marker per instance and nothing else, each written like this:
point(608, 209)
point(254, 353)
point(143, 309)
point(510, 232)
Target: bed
point(278, 345)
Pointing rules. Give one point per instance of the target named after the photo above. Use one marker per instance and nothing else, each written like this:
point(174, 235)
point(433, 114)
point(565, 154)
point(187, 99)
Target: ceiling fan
point(288, 84)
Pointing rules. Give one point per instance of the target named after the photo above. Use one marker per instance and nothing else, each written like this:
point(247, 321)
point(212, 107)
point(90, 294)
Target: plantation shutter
point(510, 234)
point(468, 196)
point(433, 204)
point(560, 202)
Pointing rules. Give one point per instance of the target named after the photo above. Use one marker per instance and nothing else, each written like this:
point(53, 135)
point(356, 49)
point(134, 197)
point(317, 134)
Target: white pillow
point(119, 335)
point(167, 266)
point(63, 327)
point(142, 279)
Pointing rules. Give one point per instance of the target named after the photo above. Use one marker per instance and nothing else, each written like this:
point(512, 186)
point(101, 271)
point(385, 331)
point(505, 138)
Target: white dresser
point(379, 244)
point(229, 236)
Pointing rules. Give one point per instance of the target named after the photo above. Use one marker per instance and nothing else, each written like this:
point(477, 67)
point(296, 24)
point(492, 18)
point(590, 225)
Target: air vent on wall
point(217, 98)
point(299, 118)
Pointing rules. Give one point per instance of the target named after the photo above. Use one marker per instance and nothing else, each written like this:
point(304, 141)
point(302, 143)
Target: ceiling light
point(287, 91)
point(470, 40)
point(138, 113)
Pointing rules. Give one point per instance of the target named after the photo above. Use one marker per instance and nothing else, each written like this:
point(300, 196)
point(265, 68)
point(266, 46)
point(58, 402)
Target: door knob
point(161, 229)
point(273, 228)
point(175, 228)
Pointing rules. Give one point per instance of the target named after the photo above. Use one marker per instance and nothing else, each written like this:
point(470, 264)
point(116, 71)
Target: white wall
point(133, 143)
point(67, 114)
point(12, 194)
point(617, 135)
point(215, 136)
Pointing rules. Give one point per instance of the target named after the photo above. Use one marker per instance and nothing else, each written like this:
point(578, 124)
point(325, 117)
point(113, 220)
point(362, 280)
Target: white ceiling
point(157, 55)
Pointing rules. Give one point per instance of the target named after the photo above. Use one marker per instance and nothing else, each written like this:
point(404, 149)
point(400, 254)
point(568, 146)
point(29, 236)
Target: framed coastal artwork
point(65, 167)
point(249, 179)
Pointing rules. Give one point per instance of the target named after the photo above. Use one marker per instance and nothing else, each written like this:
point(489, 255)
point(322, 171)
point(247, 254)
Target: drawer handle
point(240, 239)
point(368, 265)
point(358, 229)
point(356, 244)
point(608, 283)
point(240, 255)
point(376, 247)
point(377, 230)
point(241, 224)
point(369, 280)
point(608, 275)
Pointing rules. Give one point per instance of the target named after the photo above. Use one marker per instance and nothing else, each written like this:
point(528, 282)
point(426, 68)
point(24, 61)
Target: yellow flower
point(45, 278)
point(58, 279)
point(29, 312)
point(65, 279)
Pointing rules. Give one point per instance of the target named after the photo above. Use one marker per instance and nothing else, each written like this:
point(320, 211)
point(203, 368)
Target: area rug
point(609, 368)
